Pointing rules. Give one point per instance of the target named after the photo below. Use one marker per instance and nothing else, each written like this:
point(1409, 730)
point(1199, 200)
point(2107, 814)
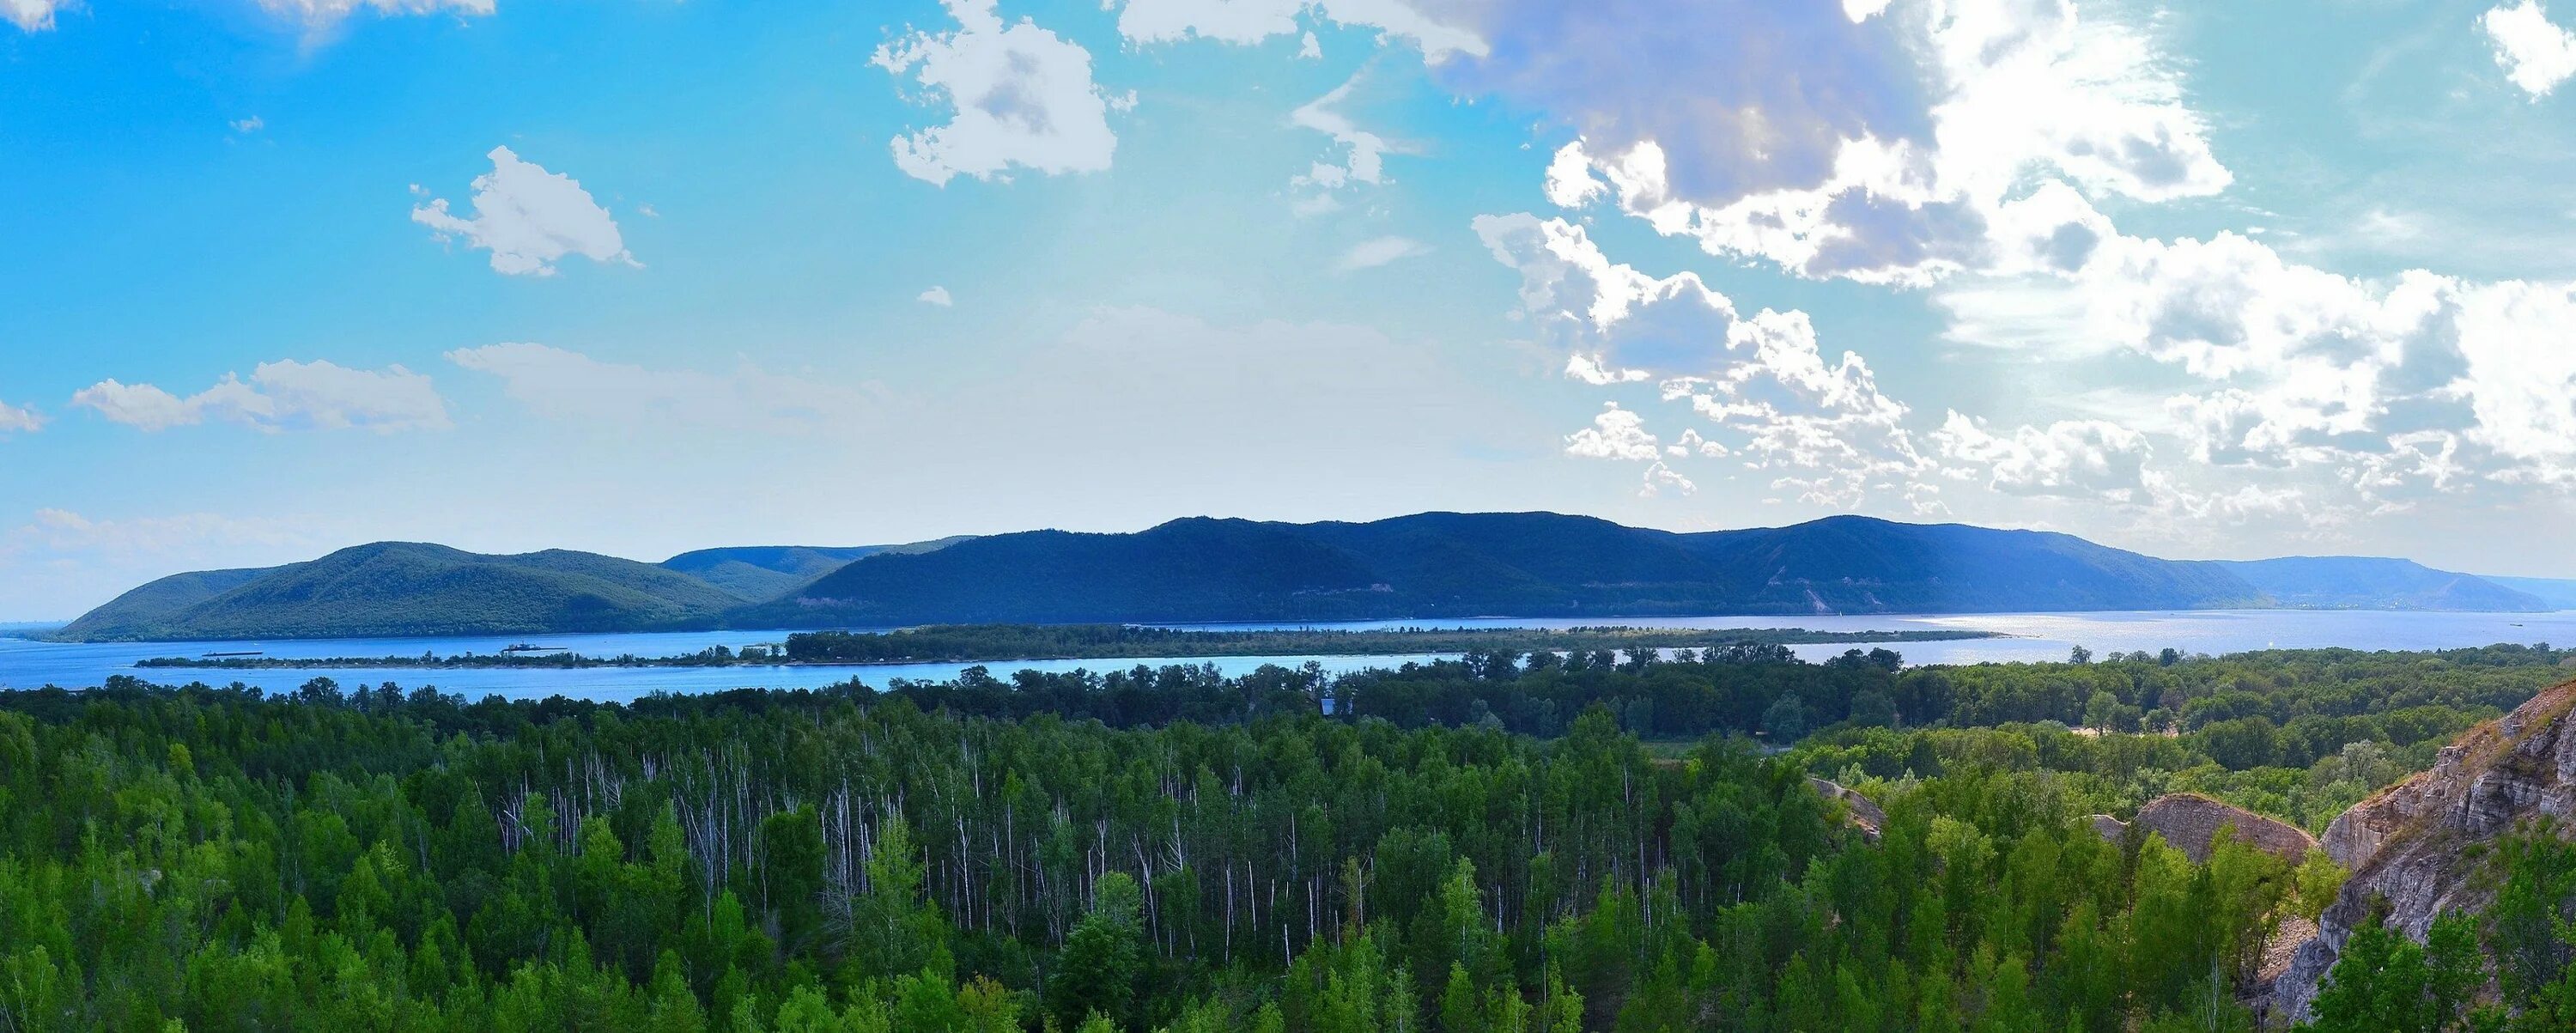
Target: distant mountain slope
point(1428, 565)
point(1861, 565)
point(2556, 593)
point(2369, 583)
point(158, 601)
point(759, 573)
point(1518, 564)
point(1226, 569)
point(407, 588)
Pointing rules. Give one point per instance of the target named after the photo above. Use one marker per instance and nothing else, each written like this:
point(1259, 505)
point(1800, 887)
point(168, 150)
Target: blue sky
point(641, 276)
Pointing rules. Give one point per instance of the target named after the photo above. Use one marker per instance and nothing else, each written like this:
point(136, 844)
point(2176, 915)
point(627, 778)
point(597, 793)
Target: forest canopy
point(1491, 844)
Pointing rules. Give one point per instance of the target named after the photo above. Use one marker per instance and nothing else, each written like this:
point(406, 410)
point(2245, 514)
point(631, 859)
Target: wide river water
point(2035, 636)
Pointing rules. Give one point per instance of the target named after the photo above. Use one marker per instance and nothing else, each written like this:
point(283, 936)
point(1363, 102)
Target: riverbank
point(1014, 643)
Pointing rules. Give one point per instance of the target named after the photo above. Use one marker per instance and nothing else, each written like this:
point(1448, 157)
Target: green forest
point(1507, 843)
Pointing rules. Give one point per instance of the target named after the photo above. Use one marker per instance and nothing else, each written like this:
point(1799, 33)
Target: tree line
point(1167, 849)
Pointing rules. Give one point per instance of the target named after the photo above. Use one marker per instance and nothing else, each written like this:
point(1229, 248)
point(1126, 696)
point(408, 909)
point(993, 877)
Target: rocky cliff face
point(1858, 809)
point(2404, 844)
point(2189, 822)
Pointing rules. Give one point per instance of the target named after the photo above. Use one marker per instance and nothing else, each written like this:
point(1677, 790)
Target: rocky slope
point(2404, 844)
point(2190, 823)
point(1858, 809)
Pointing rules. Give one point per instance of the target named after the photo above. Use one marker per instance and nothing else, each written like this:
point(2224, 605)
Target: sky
point(2216, 280)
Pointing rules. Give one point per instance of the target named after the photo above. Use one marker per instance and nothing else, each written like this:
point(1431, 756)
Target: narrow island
point(985, 643)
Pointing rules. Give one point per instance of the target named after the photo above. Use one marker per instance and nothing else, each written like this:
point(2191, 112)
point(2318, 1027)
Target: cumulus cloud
point(1372, 253)
point(281, 396)
point(2535, 53)
point(936, 296)
point(1660, 479)
point(2032, 115)
point(1022, 96)
point(2518, 374)
point(2417, 376)
point(1620, 434)
point(1971, 148)
point(20, 419)
point(1253, 21)
point(571, 386)
point(1615, 434)
point(529, 219)
point(1869, 180)
point(1744, 96)
point(30, 15)
point(1820, 425)
point(2303, 367)
point(2079, 458)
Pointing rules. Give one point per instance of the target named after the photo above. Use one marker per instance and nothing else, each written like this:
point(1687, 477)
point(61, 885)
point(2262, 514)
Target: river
point(25, 663)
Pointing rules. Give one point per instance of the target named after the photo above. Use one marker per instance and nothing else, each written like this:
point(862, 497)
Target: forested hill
point(759, 573)
point(410, 588)
point(1519, 564)
point(1425, 566)
point(2364, 583)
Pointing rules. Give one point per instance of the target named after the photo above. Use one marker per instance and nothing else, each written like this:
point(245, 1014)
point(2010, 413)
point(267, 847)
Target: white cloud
point(936, 296)
point(31, 15)
point(280, 396)
point(529, 218)
point(2229, 305)
point(2077, 458)
point(1253, 21)
point(1311, 48)
point(2535, 54)
point(326, 13)
point(1743, 96)
point(2518, 373)
point(20, 419)
point(1570, 182)
point(247, 126)
point(1858, 181)
point(1761, 379)
point(2415, 376)
point(1972, 147)
point(1022, 96)
point(1370, 254)
point(1691, 443)
point(568, 385)
point(1614, 434)
point(1660, 478)
point(1362, 157)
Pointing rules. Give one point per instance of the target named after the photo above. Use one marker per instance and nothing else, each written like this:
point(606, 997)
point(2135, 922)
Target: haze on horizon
point(285, 276)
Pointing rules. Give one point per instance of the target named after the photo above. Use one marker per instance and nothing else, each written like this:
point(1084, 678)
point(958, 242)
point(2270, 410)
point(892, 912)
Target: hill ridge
point(1203, 569)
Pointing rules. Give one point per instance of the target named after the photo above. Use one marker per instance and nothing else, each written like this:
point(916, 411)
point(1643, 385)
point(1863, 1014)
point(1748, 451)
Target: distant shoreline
point(1017, 643)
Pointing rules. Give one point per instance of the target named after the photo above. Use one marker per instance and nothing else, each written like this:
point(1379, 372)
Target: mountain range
point(1429, 565)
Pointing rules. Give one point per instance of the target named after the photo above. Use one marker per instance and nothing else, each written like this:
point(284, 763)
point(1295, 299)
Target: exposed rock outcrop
point(1864, 814)
point(2404, 844)
point(2190, 823)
